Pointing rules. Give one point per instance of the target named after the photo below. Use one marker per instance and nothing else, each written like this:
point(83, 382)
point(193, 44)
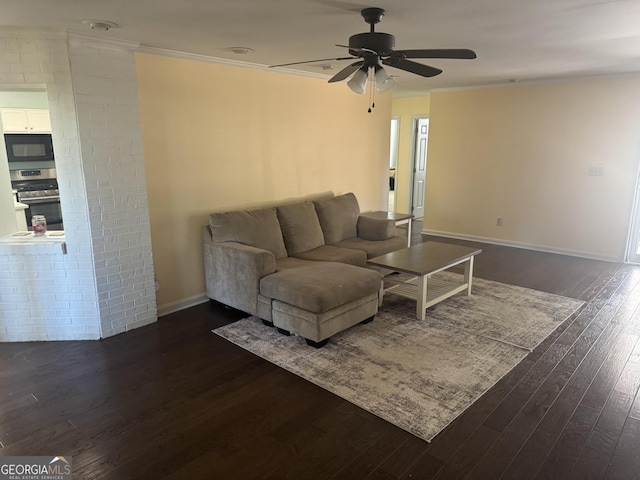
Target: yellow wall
point(407, 109)
point(523, 153)
point(219, 137)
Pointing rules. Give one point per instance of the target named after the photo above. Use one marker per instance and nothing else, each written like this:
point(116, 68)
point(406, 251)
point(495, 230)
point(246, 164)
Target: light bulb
point(358, 82)
point(384, 82)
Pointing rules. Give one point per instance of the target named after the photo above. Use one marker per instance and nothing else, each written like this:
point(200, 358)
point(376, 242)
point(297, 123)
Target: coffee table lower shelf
point(437, 290)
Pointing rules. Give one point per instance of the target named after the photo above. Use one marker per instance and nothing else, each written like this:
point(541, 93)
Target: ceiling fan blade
point(457, 53)
point(345, 72)
point(312, 61)
point(359, 49)
point(413, 67)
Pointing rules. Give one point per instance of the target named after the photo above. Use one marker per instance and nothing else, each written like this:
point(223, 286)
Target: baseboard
point(526, 246)
point(173, 307)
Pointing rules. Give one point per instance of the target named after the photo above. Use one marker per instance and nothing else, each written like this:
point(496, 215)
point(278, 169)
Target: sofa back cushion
point(256, 228)
point(338, 217)
point(300, 227)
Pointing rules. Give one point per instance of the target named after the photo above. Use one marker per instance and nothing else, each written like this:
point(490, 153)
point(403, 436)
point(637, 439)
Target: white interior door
point(420, 166)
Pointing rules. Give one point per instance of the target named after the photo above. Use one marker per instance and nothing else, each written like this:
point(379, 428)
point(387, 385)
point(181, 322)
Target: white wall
point(104, 283)
point(524, 152)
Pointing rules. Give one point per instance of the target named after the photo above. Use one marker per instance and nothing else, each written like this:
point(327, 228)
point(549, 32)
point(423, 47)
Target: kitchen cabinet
point(25, 120)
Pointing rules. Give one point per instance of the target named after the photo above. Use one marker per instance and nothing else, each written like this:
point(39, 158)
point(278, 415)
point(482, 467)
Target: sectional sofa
point(300, 266)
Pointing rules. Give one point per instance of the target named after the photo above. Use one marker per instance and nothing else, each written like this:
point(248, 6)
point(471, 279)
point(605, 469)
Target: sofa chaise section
point(321, 299)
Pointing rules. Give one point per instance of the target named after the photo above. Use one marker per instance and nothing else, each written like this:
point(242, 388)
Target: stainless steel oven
point(38, 188)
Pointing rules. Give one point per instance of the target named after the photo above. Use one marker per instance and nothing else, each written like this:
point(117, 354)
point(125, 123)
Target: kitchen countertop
point(52, 236)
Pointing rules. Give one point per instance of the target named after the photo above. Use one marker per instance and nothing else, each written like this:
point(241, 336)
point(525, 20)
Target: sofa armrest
point(374, 229)
point(233, 272)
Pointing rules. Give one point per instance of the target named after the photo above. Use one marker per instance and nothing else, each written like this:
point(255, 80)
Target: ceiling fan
point(373, 48)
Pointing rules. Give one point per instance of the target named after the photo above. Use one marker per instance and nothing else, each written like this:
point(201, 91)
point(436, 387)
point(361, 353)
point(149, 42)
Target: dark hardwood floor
point(172, 400)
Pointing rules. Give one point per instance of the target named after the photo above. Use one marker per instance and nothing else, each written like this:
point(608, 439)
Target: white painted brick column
point(104, 81)
point(103, 284)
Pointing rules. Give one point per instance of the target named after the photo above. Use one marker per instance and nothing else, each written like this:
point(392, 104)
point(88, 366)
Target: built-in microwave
point(23, 147)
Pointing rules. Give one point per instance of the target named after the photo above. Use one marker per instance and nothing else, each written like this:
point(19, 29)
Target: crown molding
point(603, 77)
point(225, 61)
point(87, 40)
point(96, 41)
point(73, 38)
point(546, 81)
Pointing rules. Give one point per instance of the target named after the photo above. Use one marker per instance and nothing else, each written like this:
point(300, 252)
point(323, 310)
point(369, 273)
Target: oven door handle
point(35, 200)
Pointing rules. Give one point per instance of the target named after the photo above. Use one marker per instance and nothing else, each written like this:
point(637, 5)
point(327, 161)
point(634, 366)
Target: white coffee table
point(423, 260)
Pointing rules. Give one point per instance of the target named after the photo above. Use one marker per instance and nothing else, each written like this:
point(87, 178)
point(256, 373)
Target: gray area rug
point(419, 375)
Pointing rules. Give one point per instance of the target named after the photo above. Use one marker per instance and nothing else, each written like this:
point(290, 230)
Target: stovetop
point(34, 185)
point(34, 180)
point(38, 193)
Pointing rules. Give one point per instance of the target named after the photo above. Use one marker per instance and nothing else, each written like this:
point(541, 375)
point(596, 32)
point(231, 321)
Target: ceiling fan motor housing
point(373, 48)
point(381, 43)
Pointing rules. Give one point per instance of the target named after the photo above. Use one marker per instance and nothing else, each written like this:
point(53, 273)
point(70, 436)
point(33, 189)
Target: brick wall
point(104, 81)
point(103, 285)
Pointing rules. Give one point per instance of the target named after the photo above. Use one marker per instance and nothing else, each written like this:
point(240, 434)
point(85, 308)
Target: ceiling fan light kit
point(358, 82)
point(381, 78)
point(374, 48)
point(384, 82)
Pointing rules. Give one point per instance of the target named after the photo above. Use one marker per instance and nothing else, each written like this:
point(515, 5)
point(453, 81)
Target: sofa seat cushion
point(300, 227)
point(338, 217)
point(328, 253)
point(374, 248)
point(322, 286)
point(255, 228)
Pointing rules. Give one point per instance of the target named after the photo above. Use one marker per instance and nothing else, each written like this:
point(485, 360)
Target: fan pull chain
point(371, 91)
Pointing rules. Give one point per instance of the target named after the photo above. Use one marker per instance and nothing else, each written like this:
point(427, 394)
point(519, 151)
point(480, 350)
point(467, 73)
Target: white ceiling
point(515, 40)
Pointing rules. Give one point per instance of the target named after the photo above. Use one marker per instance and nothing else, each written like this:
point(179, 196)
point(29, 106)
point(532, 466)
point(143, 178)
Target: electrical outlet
point(499, 222)
point(596, 171)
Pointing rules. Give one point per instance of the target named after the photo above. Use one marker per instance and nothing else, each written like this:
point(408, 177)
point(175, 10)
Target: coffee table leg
point(468, 274)
point(421, 300)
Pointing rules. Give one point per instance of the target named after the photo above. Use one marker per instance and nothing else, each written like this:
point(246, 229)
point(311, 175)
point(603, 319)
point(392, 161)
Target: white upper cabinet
point(25, 120)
